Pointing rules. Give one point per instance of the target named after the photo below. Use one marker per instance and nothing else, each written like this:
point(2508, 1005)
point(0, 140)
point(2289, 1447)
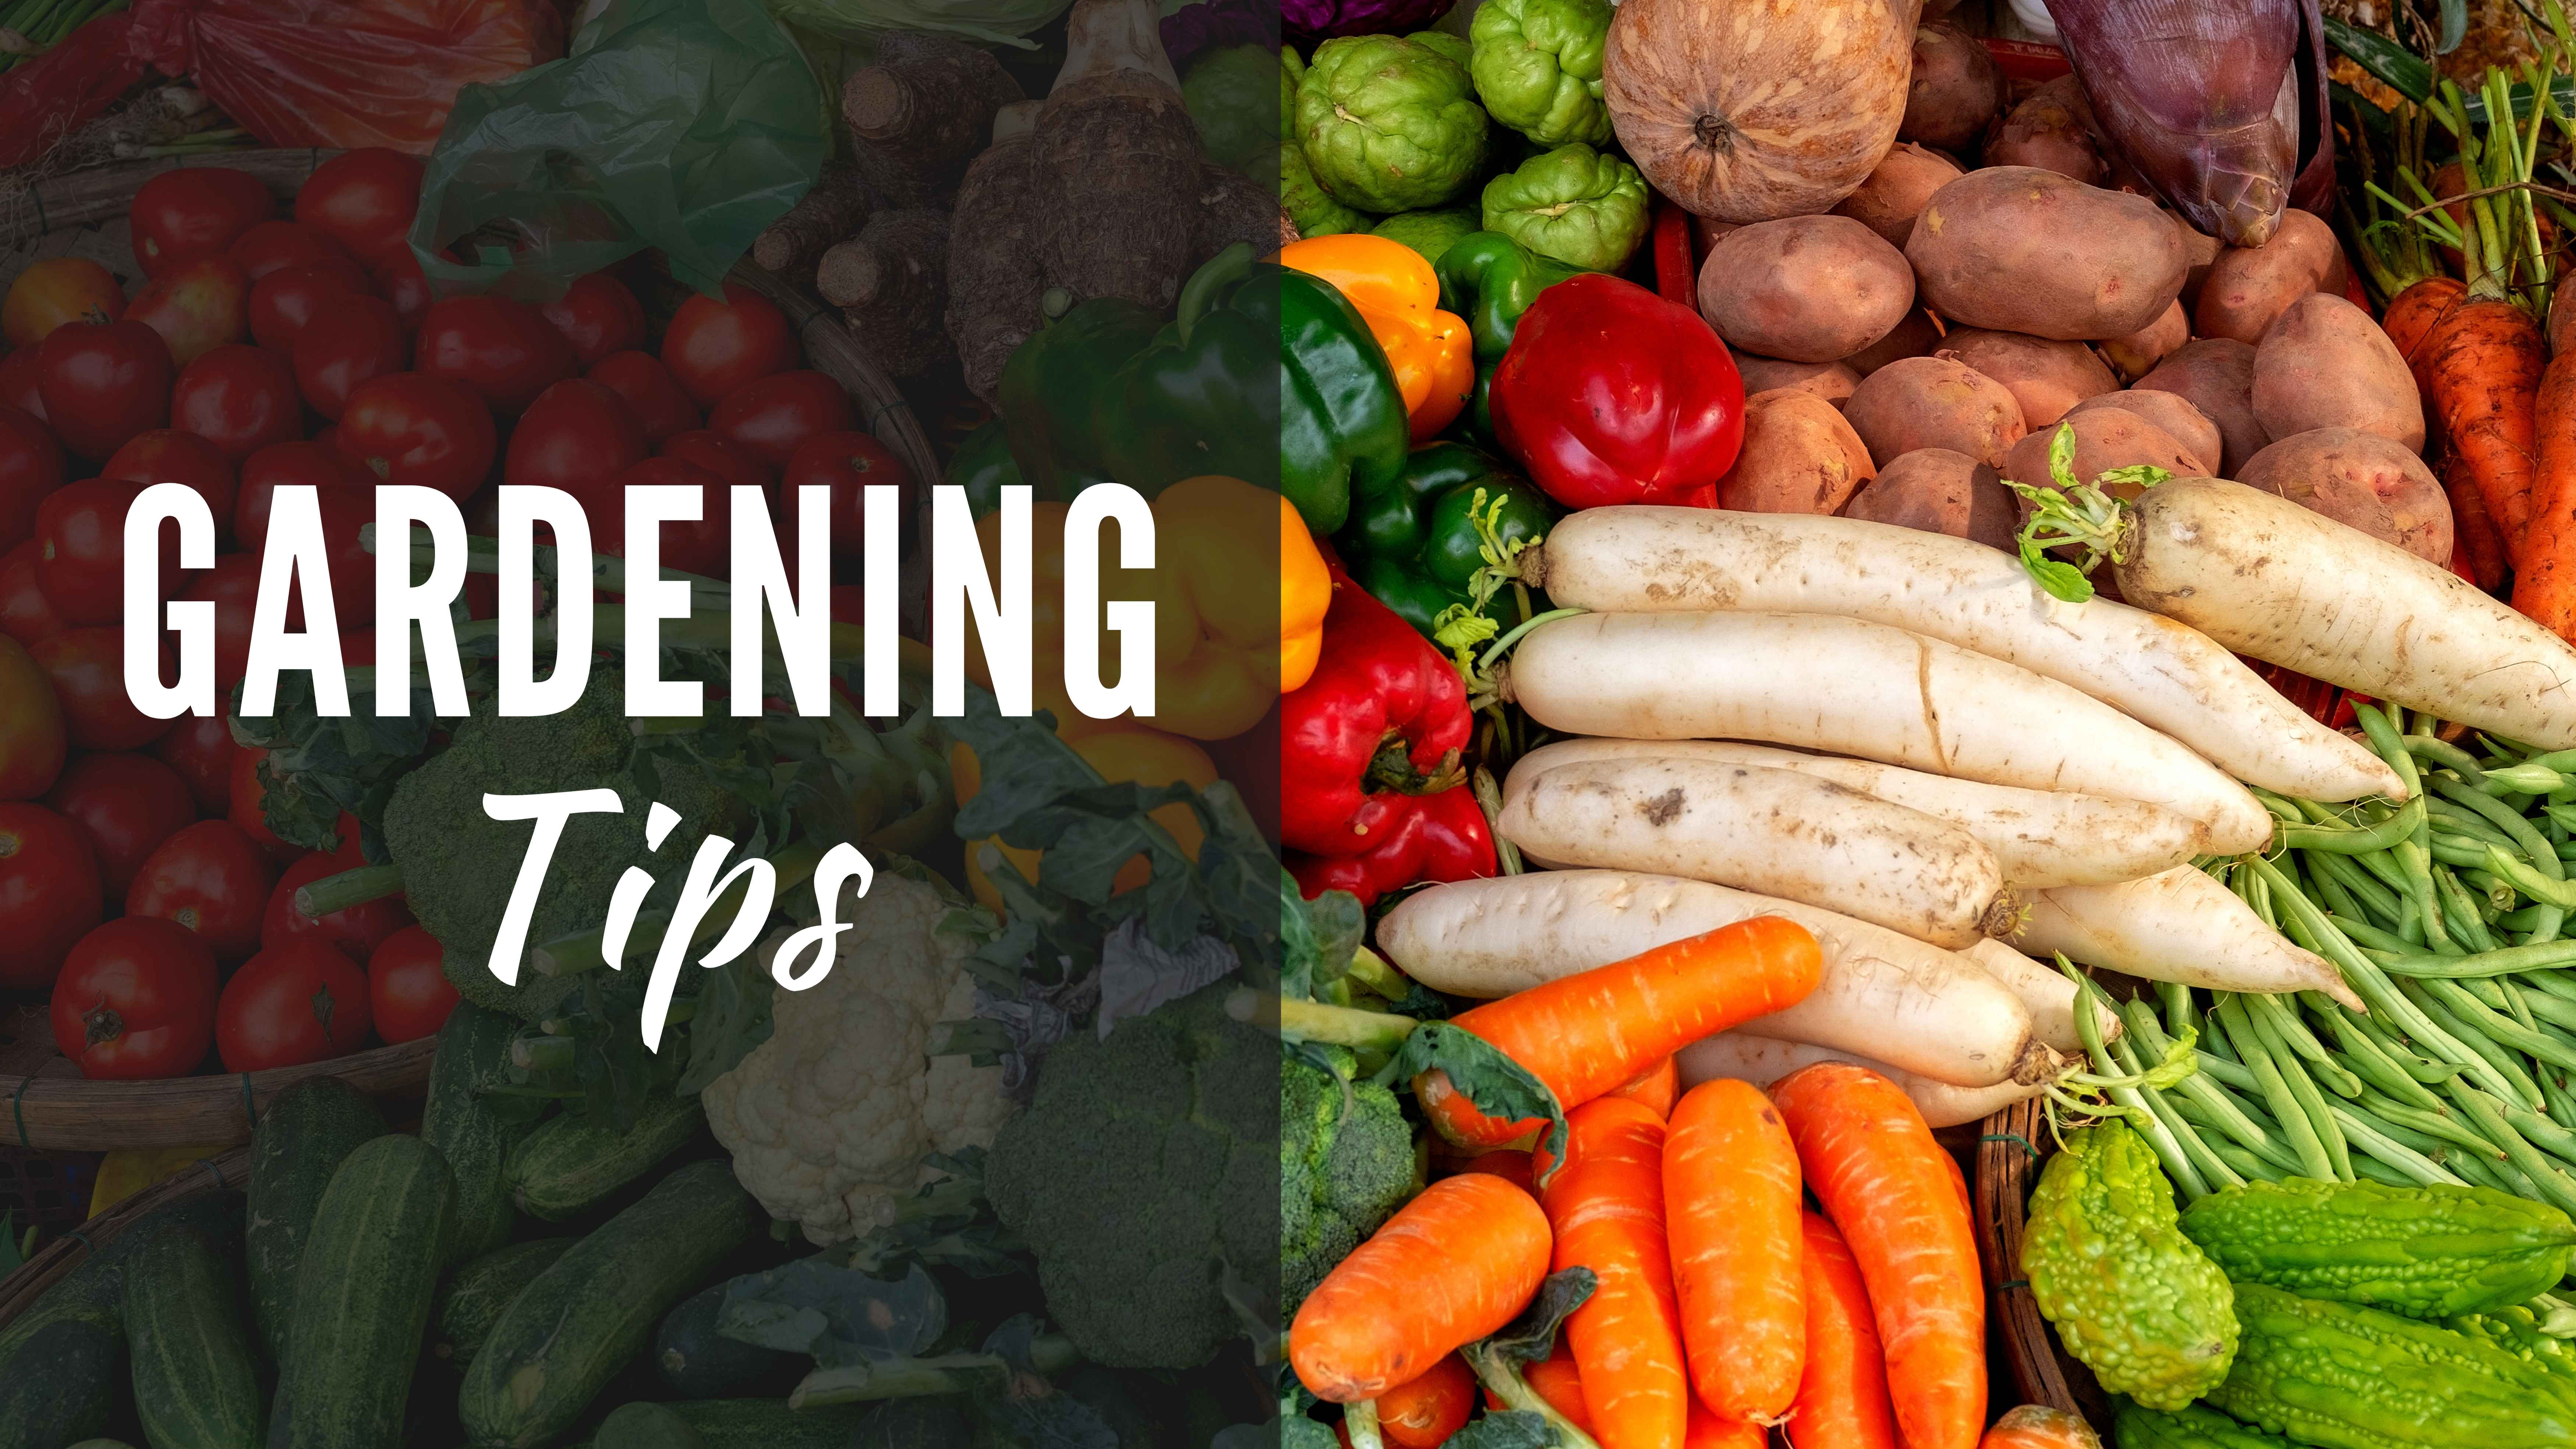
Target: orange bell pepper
point(1305, 595)
point(1123, 753)
point(1398, 295)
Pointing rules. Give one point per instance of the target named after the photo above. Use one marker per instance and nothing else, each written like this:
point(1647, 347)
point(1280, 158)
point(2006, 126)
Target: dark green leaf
point(2062, 579)
point(1317, 938)
point(2394, 65)
point(733, 1017)
point(1532, 1336)
point(1511, 1430)
point(1497, 1086)
point(2455, 26)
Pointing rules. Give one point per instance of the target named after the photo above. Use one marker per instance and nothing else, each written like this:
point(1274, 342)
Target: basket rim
point(227, 1170)
point(2012, 1145)
point(75, 1114)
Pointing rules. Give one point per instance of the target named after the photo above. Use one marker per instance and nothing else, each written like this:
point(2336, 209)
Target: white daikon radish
point(1773, 832)
point(2179, 926)
point(1646, 559)
point(2041, 838)
point(1849, 687)
point(1899, 1000)
point(2046, 991)
point(1741, 1057)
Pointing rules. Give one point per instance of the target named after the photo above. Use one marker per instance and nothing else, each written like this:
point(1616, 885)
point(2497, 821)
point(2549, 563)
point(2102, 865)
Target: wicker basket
point(21, 1289)
point(2012, 1145)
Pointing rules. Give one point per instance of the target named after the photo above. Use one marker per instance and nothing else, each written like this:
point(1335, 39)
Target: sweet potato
point(1832, 381)
point(2248, 288)
point(2046, 377)
point(1916, 336)
point(2137, 354)
point(1799, 457)
point(1957, 88)
point(2174, 413)
point(2052, 129)
point(1934, 402)
point(1897, 191)
point(2203, 249)
point(2216, 375)
point(2105, 438)
point(1940, 491)
point(2362, 479)
point(2020, 249)
point(1804, 288)
point(2324, 364)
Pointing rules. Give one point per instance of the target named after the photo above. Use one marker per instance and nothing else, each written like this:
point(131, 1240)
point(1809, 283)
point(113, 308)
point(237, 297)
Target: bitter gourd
point(2342, 1376)
point(2133, 1299)
point(2189, 1427)
point(2426, 1252)
point(2517, 1331)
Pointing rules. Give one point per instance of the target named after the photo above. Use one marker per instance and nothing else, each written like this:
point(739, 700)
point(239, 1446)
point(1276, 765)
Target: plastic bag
point(685, 125)
point(60, 91)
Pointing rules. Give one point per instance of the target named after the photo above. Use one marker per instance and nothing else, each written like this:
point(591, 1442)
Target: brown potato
point(2019, 249)
point(2137, 354)
point(1799, 457)
point(2325, 364)
point(2053, 130)
point(1957, 88)
point(2046, 377)
point(1934, 402)
point(1897, 191)
point(2362, 479)
point(2249, 287)
point(1916, 336)
point(1832, 381)
point(1804, 288)
point(1939, 491)
point(2105, 438)
point(2216, 374)
point(2174, 413)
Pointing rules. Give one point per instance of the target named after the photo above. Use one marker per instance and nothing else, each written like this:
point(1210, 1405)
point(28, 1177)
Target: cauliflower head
point(829, 1119)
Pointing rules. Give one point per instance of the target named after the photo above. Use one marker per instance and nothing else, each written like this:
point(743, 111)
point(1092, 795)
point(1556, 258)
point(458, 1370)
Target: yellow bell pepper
point(1398, 295)
point(129, 1170)
point(1123, 753)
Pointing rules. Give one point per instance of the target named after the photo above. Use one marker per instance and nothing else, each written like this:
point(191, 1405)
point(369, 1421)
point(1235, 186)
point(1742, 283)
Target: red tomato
point(102, 383)
point(166, 455)
point(716, 347)
point(343, 511)
point(201, 749)
point(212, 878)
point(26, 615)
point(49, 893)
point(710, 451)
point(232, 586)
point(127, 805)
point(296, 1002)
point(659, 402)
point(398, 276)
point(87, 667)
point(354, 339)
point(80, 550)
point(241, 399)
point(772, 417)
point(195, 211)
point(577, 435)
point(19, 388)
point(57, 290)
point(597, 316)
point(32, 741)
point(277, 466)
point(845, 463)
point(702, 547)
point(358, 930)
point(414, 428)
point(363, 199)
point(136, 999)
point(249, 811)
point(31, 466)
point(500, 348)
point(287, 300)
point(407, 986)
point(196, 306)
point(274, 244)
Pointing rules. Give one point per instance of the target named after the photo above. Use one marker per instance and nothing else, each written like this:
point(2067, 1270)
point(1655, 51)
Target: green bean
point(2396, 1049)
point(2384, 737)
point(2436, 1123)
point(2283, 808)
point(2302, 1084)
point(2285, 1028)
point(2367, 1168)
point(2292, 1113)
point(2526, 922)
point(2212, 1169)
point(2378, 1145)
point(2365, 1057)
point(2182, 1013)
point(2561, 1102)
point(2541, 1131)
point(2339, 902)
point(2216, 1133)
point(2460, 911)
point(2503, 817)
point(2517, 1002)
point(2350, 841)
point(2378, 942)
point(2200, 1090)
point(2440, 752)
point(2481, 1172)
point(2528, 778)
point(2547, 1006)
point(2380, 902)
point(2501, 1028)
point(2416, 859)
point(2541, 887)
point(2555, 1187)
point(2247, 1166)
point(2451, 819)
point(2090, 1006)
point(2499, 1063)
point(2560, 984)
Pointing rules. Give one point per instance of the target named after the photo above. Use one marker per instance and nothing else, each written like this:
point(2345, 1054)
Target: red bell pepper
point(1610, 394)
point(1377, 729)
point(1446, 838)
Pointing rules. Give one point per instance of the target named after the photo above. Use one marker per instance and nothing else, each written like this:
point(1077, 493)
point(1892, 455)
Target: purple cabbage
point(1308, 21)
point(1210, 24)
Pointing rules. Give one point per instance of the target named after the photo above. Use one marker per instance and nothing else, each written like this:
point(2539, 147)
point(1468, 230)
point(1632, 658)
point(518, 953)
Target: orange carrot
point(1886, 1184)
point(1555, 1379)
point(1607, 1207)
point(2477, 549)
point(2412, 316)
point(2544, 582)
point(1423, 1413)
point(2036, 1426)
point(1842, 1399)
point(1731, 1207)
point(2485, 364)
point(1656, 1086)
point(1708, 1431)
point(1586, 1034)
point(1452, 1266)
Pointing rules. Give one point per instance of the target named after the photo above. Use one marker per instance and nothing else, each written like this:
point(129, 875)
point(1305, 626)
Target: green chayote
point(1575, 204)
point(1223, 94)
point(1292, 69)
point(1389, 124)
point(1538, 67)
point(1429, 232)
point(1312, 208)
point(1456, 47)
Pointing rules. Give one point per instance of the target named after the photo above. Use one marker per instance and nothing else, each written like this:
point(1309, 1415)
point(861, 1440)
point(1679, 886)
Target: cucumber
point(362, 1292)
point(570, 1331)
point(700, 1363)
point(770, 1424)
point(307, 1132)
point(473, 1052)
point(472, 1300)
point(568, 1166)
point(196, 1385)
point(648, 1426)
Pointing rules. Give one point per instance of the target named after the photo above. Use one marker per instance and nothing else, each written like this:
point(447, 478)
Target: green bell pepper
point(983, 466)
point(1415, 544)
point(1057, 393)
point(1490, 279)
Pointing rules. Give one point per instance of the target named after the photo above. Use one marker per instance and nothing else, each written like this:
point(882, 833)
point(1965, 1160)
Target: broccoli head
point(1345, 1165)
point(1144, 1176)
point(458, 864)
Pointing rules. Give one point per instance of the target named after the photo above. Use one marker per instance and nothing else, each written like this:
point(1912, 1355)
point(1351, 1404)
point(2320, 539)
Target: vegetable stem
point(331, 893)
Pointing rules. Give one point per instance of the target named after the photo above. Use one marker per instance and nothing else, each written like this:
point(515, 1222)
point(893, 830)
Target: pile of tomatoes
point(139, 883)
